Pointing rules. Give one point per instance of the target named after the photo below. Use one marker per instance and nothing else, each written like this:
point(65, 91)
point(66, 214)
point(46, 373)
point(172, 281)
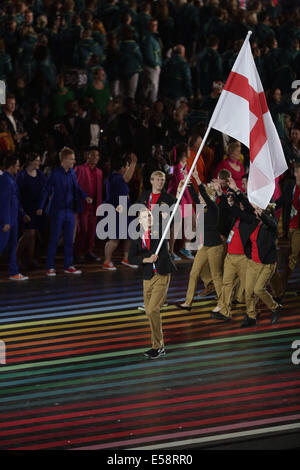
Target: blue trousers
point(9, 241)
point(63, 220)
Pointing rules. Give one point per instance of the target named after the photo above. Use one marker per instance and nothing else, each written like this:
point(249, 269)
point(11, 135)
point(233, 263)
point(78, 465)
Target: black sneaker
point(219, 316)
point(276, 314)
point(248, 322)
point(155, 353)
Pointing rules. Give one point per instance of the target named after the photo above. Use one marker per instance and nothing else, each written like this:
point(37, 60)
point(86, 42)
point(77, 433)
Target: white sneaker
point(109, 267)
point(51, 272)
point(18, 277)
point(142, 307)
point(125, 262)
point(72, 270)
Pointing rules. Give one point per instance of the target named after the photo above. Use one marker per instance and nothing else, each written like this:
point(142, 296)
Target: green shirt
point(59, 102)
point(100, 97)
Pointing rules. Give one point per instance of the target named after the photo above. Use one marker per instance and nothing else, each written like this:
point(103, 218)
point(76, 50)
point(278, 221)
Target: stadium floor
point(75, 376)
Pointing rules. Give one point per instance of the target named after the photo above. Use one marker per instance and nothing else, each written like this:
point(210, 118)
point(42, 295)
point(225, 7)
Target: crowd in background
point(140, 79)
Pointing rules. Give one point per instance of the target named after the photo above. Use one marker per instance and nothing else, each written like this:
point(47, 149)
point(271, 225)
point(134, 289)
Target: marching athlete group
point(238, 254)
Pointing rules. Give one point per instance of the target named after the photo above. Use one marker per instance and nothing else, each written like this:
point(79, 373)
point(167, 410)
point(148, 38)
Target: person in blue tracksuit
point(9, 214)
point(64, 200)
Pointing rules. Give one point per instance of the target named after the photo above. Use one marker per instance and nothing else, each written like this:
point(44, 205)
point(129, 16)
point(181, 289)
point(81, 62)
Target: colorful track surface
point(75, 376)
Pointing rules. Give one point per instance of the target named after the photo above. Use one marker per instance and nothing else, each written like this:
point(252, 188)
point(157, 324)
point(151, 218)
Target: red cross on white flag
point(242, 113)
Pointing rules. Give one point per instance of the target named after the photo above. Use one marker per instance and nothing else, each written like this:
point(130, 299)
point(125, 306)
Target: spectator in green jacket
point(176, 79)
point(130, 63)
point(143, 18)
point(86, 48)
point(152, 53)
point(209, 66)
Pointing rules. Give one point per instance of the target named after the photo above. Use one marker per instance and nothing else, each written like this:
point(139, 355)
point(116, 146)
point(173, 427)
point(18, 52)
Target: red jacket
point(84, 180)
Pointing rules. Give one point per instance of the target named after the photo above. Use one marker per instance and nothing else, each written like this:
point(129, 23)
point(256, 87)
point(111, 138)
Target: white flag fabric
point(242, 113)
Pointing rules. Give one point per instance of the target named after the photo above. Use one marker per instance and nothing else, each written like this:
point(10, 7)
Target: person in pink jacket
point(89, 178)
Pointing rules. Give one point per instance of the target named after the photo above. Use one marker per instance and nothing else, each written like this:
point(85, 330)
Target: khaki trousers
point(234, 270)
point(257, 277)
point(214, 256)
point(294, 236)
point(276, 284)
point(155, 293)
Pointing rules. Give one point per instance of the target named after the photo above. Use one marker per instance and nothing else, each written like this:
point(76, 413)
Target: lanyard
point(236, 225)
point(146, 248)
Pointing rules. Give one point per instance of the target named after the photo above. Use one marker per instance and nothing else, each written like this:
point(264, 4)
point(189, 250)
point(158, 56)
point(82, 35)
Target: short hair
point(224, 174)
point(30, 157)
point(10, 161)
point(10, 96)
point(65, 152)
point(93, 147)
point(157, 173)
point(193, 139)
point(119, 162)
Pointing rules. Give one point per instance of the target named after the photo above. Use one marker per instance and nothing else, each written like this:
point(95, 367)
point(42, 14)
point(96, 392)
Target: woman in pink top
point(179, 157)
point(233, 164)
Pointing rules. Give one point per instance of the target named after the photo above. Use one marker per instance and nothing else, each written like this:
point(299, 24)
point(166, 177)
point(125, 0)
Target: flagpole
point(194, 164)
point(183, 189)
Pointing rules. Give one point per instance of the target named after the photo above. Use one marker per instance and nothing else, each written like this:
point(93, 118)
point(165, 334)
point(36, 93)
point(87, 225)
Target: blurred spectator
point(176, 79)
point(5, 62)
point(152, 52)
point(6, 140)
point(61, 97)
point(111, 64)
point(209, 66)
point(71, 130)
point(87, 47)
point(130, 63)
point(232, 162)
point(14, 126)
point(98, 92)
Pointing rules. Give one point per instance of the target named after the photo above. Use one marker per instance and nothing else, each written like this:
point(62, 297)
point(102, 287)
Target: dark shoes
point(183, 308)
point(248, 322)
point(155, 353)
point(219, 316)
point(276, 314)
point(92, 257)
point(210, 289)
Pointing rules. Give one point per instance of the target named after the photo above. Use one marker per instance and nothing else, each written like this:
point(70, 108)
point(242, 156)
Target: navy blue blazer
point(58, 195)
point(9, 200)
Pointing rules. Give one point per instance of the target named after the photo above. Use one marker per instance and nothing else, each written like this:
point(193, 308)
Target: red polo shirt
point(153, 198)
point(235, 247)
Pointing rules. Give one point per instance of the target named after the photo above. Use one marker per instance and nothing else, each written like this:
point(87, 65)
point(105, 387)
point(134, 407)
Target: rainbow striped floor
point(75, 376)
